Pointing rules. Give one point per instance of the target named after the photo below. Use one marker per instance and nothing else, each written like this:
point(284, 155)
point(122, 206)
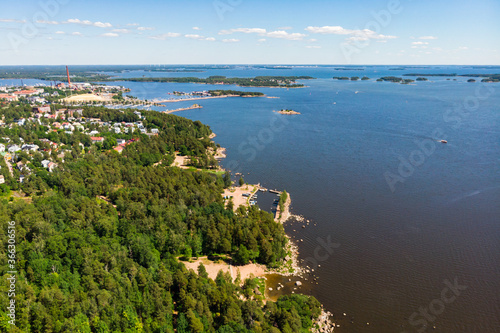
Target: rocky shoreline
point(292, 267)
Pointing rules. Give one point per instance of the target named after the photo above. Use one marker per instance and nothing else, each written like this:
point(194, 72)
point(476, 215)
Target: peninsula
point(258, 81)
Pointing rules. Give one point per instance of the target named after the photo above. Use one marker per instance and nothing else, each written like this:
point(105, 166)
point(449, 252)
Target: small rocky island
point(287, 111)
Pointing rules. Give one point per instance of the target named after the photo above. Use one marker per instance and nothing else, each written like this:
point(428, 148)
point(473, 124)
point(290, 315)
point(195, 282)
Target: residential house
point(2, 147)
point(8, 97)
point(30, 147)
point(119, 149)
point(118, 130)
point(13, 148)
point(155, 131)
point(2, 179)
point(51, 166)
point(68, 126)
point(25, 93)
point(97, 139)
point(121, 141)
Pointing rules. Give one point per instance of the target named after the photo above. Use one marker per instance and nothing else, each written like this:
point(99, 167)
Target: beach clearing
point(236, 194)
point(213, 268)
point(88, 98)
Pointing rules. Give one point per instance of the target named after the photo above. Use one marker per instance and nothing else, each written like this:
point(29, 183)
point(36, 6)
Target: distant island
point(348, 69)
point(352, 78)
point(258, 81)
point(235, 93)
point(287, 111)
point(395, 79)
point(486, 77)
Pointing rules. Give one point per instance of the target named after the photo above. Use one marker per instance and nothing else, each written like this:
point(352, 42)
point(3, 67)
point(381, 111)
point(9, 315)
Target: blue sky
point(54, 32)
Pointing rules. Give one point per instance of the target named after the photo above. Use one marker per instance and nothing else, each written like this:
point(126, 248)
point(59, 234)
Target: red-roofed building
point(119, 149)
point(24, 93)
point(97, 139)
point(42, 109)
point(8, 97)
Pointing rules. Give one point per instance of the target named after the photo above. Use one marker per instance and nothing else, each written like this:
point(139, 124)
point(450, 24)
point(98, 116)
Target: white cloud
point(285, 28)
point(463, 48)
point(285, 35)
point(165, 36)
point(427, 37)
point(193, 36)
point(313, 40)
point(196, 28)
point(60, 32)
point(145, 28)
point(12, 21)
point(336, 30)
point(102, 25)
point(420, 43)
point(231, 40)
point(87, 22)
point(262, 40)
point(76, 33)
point(356, 34)
point(313, 47)
point(109, 34)
point(199, 37)
point(132, 24)
point(121, 31)
point(264, 33)
point(47, 22)
point(244, 30)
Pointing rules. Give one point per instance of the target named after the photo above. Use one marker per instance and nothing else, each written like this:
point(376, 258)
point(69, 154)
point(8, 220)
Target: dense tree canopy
point(98, 239)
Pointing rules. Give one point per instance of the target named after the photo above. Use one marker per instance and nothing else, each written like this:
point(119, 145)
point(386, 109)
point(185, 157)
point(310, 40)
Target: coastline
point(195, 106)
point(200, 98)
point(290, 267)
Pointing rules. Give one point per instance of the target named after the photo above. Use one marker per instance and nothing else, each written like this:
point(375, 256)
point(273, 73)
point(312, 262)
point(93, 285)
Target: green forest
point(258, 81)
point(99, 239)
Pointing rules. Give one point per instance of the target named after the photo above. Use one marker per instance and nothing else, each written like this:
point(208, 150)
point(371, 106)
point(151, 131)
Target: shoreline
point(201, 98)
point(290, 266)
point(196, 106)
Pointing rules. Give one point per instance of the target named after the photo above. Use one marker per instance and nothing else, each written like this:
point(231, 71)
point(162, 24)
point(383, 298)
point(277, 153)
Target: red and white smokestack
point(67, 73)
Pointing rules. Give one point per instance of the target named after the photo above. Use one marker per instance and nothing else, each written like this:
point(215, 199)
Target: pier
point(194, 106)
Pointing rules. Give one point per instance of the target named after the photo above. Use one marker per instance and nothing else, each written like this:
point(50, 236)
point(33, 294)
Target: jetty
point(274, 191)
point(194, 106)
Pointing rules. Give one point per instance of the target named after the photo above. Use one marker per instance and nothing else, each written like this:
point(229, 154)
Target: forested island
point(395, 79)
point(235, 93)
point(258, 81)
point(100, 222)
point(486, 77)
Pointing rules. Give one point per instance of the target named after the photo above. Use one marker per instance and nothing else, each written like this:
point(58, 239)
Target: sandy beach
point(181, 161)
point(87, 98)
point(237, 194)
point(213, 268)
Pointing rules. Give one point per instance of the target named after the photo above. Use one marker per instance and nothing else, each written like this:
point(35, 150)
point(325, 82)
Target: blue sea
point(404, 231)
